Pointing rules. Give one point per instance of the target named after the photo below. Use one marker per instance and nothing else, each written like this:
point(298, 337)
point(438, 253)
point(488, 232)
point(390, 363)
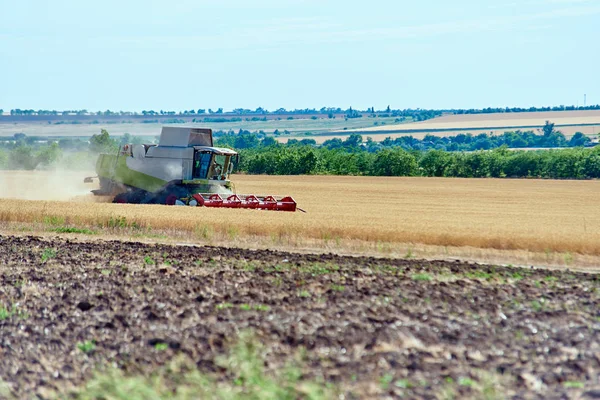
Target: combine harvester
point(183, 169)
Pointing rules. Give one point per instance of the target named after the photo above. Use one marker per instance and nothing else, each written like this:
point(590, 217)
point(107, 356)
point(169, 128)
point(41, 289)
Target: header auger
point(183, 169)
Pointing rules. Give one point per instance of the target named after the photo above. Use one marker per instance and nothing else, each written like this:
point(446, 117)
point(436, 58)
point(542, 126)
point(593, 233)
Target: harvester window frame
point(202, 164)
point(218, 161)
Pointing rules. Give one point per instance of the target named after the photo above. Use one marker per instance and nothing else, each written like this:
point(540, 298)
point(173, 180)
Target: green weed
point(385, 381)
point(317, 269)
point(161, 346)
point(245, 369)
point(462, 381)
point(421, 277)
point(403, 384)
point(257, 307)
point(70, 229)
point(573, 385)
point(87, 347)
point(149, 261)
point(337, 288)
point(48, 254)
point(479, 275)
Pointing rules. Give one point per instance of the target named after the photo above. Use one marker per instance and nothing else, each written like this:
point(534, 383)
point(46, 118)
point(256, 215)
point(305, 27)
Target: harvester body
point(183, 169)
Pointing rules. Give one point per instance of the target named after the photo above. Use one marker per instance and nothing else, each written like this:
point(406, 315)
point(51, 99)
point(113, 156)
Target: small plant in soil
point(86, 347)
point(421, 277)
point(161, 346)
point(573, 385)
point(337, 288)
point(6, 312)
point(47, 254)
point(148, 260)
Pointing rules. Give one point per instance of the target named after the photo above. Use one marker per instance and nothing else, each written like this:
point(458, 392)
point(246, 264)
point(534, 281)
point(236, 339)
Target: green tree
point(269, 141)
point(395, 162)
point(103, 143)
point(435, 162)
point(353, 142)
point(578, 140)
point(548, 128)
point(22, 157)
point(48, 155)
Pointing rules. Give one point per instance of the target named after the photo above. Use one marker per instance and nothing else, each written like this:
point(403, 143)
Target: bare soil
point(374, 327)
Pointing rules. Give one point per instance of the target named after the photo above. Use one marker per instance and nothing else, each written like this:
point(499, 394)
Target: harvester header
point(183, 169)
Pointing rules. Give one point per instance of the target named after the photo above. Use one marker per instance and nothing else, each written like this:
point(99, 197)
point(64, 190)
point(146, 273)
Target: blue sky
point(134, 55)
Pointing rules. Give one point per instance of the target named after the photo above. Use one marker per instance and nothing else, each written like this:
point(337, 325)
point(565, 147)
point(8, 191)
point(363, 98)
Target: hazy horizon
point(136, 55)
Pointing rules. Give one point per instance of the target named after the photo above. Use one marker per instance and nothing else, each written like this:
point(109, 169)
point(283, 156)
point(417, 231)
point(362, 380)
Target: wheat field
point(532, 215)
point(503, 120)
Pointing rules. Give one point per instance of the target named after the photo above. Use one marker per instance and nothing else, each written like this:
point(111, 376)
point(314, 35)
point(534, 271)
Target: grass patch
point(8, 312)
point(403, 384)
point(71, 229)
point(223, 306)
point(52, 220)
point(573, 385)
point(317, 269)
point(479, 275)
point(421, 277)
point(538, 305)
point(516, 276)
point(256, 307)
point(48, 254)
point(483, 385)
point(245, 378)
point(385, 381)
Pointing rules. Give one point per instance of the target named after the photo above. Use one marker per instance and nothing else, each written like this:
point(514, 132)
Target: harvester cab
point(183, 169)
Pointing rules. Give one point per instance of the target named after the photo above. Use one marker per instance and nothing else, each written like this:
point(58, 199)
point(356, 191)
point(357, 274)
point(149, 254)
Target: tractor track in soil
point(360, 318)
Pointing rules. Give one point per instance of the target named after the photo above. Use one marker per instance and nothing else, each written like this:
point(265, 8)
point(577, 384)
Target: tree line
point(417, 114)
point(575, 163)
point(264, 155)
point(550, 138)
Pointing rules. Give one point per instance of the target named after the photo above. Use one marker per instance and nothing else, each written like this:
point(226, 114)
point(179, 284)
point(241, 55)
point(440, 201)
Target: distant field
point(378, 136)
point(568, 122)
point(322, 129)
point(295, 126)
point(501, 120)
point(533, 215)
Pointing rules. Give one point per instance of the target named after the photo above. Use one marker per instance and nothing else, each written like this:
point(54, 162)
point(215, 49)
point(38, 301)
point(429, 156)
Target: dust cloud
point(47, 185)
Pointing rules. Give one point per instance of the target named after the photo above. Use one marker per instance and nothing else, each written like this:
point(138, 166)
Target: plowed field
point(373, 327)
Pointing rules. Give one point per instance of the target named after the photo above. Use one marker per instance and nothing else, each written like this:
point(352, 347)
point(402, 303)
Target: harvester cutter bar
point(245, 201)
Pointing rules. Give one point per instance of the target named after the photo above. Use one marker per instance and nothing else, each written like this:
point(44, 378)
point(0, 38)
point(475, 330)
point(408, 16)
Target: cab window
point(201, 165)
